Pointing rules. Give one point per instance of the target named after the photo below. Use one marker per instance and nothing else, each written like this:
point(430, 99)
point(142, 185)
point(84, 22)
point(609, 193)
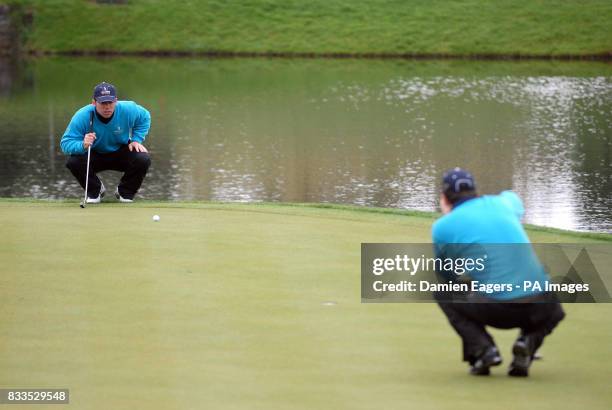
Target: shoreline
point(602, 57)
point(261, 207)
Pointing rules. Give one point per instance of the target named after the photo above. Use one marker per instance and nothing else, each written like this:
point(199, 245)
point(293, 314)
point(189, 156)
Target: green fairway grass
point(442, 27)
point(236, 306)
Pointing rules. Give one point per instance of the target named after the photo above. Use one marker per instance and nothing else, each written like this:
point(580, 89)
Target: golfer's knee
point(557, 315)
point(75, 163)
point(142, 161)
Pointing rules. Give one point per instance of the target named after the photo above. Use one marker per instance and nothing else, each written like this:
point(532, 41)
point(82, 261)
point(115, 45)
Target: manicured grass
point(222, 306)
point(448, 27)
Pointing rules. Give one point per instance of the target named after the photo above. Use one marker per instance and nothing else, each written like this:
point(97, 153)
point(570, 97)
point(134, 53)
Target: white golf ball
point(156, 218)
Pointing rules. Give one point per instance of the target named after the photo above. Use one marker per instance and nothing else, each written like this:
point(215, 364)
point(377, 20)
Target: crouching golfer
point(473, 222)
point(105, 125)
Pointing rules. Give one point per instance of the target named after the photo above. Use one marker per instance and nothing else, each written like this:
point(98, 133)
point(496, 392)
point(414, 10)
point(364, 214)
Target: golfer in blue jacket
point(491, 224)
point(115, 130)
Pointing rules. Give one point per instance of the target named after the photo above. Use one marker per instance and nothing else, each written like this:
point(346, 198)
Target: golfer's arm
point(439, 242)
point(72, 141)
point(514, 203)
point(141, 125)
point(438, 254)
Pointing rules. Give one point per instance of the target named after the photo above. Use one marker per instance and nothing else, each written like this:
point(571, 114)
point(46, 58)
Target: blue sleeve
point(142, 123)
point(514, 203)
point(72, 141)
point(436, 238)
point(439, 245)
point(438, 235)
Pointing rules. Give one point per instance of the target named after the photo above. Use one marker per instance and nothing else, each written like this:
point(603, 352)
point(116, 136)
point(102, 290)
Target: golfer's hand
point(137, 146)
point(89, 139)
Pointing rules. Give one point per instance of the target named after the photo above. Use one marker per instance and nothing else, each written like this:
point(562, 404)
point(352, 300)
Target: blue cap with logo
point(457, 180)
point(105, 92)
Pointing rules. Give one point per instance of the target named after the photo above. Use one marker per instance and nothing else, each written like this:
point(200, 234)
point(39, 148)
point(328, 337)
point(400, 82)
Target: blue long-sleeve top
point(109, 137)
point(491, 225)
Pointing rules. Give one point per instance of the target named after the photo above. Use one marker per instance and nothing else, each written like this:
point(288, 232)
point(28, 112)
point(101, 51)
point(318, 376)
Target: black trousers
point(133, 164)
point(535, 319)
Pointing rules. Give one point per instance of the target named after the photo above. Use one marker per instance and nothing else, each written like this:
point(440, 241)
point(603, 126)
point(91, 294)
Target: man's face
point(105, 109)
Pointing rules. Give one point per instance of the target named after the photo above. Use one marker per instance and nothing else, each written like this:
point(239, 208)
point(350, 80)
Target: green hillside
point(441, 27)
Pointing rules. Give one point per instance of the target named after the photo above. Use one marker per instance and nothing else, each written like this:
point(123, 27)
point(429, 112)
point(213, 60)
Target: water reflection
point(368, 133)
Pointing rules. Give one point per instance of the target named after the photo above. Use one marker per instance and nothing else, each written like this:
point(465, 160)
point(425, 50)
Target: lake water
point(365, 132)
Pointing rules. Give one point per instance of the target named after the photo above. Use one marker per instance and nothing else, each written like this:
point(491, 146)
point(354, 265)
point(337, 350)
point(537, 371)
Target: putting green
point(224, 306)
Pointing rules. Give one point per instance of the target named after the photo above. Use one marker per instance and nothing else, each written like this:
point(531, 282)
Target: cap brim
point(106, 98)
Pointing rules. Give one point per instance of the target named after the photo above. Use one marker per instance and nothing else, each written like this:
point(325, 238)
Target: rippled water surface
point(375, 133)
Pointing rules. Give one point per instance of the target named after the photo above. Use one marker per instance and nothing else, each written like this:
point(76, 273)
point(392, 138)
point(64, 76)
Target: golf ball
point(156, 218)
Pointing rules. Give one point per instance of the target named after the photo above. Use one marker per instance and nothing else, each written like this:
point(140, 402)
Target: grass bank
point(323, 210)
point(520, 28)
point(243, 306)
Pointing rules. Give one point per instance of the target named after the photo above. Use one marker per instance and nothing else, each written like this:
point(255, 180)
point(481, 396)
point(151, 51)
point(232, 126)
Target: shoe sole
point(484, 368)
point(482, 372)
point(522, 360)
point(100, 195)
point(123, 200)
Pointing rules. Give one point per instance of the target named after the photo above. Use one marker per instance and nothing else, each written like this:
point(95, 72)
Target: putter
point(86, 177)
point(88, 158)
